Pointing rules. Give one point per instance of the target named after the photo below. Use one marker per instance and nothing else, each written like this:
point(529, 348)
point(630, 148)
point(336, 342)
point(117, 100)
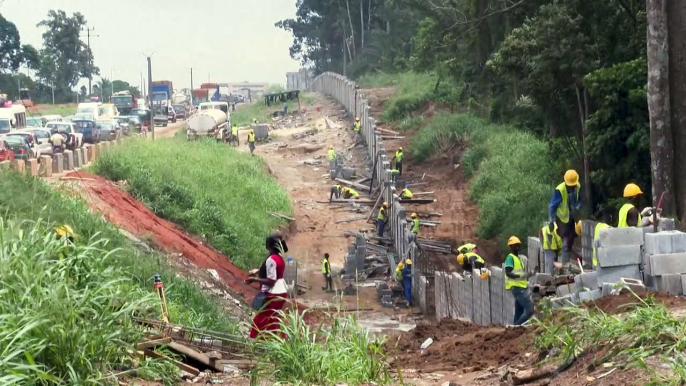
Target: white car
point(69, 130)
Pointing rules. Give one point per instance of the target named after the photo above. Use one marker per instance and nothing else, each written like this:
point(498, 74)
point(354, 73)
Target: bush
point(210, 189)
point(512, 171)
point(245, 113)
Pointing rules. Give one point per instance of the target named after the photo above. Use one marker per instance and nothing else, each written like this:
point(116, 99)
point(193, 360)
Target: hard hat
point(331, 147)
point(577, 228)
point(632, 190)
point(460, 259)
point(385, 204)
point(414, 215)
point(400, 148)
point(401, 265)
point(513, 240)
point(357, 118)
point(64, 230)
point(346, 188)
point(571, 177)
point(485, 273)
point(408, 262)
point(252, 131)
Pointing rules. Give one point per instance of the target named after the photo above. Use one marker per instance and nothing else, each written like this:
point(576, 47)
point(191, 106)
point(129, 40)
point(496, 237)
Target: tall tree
point(10, 46)
point(30, 57)
point(65, 58)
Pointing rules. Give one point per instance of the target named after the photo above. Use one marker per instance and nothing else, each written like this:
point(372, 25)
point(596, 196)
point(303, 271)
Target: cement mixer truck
point(208, 122)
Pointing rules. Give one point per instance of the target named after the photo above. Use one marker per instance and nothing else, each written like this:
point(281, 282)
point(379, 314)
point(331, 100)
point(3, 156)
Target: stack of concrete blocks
point(618, 255)
point(361, 251)
point(350, 263)
point(497, 292)
point(587, 233)
point(261, 131)
point(535, 253)
point(664, 261)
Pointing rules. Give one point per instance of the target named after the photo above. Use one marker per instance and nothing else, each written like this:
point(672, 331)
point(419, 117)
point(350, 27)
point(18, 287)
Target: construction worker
point(335, 191)
point(398, 157)
point(65, 232)
point(467, 247)
point(357, 126)
point(326, 271)
point(350, 193)
point(415, 224)
point(399, 272)
point(566, 198)
point(470, 261)
point(604, 224)
point(551, 243)
point(406, 193)
point(254, 121)
point(57, 141)
point(407, 281)
point(394, 174)
point(629, 215)
point(251, 141)
point(382, 218)
point(332, 159)
point(516, 282)
point(234, 134)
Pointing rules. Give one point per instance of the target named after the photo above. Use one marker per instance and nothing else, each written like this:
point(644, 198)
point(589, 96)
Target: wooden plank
point(195, 355)
point(414, 184)
point(392, 137)
point(387, 131)
point(349, 219)
point(423, 193)
point(353, 183)
point(417, 201)
point(376, 204)
point(240, 363)
point(153, 343)
point(349, 201)
point(182, 366)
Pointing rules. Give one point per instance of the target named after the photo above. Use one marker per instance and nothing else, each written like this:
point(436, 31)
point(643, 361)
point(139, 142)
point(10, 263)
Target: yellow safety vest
point(415, 226)
point(623, 212)
point(517, 269)
point(399, 273)
point(399, 156)
point(357, 126)
point(555, 242)
point(332, 154)
point(353, 193)
point(382, 214)
point(468, 247)
point(562, 211)
point(326, 268)
point(477, 257)
point(251, 137)
point(337, 187)
point(234, 130)
point(598, 228)
point(406, 193)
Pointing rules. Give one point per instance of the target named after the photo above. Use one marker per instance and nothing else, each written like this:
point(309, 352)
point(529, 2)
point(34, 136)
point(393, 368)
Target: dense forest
point(573, 73)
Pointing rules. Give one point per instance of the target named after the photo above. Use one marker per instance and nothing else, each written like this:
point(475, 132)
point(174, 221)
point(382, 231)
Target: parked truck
point(162, 91)
point(206, 123)
point(124, 101)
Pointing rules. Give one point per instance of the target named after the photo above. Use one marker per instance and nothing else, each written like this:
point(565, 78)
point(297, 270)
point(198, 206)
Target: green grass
point(316, 356)
point(63, 110)
point(208, 188)
point(67, 321)
point(511, 170)
point(245, 113)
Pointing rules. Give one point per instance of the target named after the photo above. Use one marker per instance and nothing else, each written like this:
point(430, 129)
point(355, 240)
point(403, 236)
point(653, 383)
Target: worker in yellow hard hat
point(398, 158)
point(382, 218)
point(251, 141)
point(350, 193)
point(234, 135)
point(399, 272)
point(406, 194)
point(66, 233)
point(407, 281)
point(357, 126)
point(603, 224)
point(629, 216)
point(336, 191)
point(470, 261)
point(551, 243)
point(415, 224)
point(516, 282)
point(566, 200)
point(332, 159)
point(326, 271)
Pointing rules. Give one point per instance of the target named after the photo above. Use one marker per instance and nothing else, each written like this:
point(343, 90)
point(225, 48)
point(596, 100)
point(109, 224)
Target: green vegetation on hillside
point(208, 188)
point(511, 171)
point(245, 113)
point(68, 321)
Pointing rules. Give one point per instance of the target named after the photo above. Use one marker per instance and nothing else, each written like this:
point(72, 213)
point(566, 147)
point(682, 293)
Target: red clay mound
point(121, 209)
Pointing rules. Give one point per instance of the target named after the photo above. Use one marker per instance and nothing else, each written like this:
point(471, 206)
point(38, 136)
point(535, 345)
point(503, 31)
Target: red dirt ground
point(121, 209)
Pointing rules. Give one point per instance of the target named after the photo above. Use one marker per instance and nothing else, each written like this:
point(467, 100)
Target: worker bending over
point(350, 193)
point(552, 246)
point(326, 271)
point(406, 194)
point(335, 191)
point(251, 141)
point(629, 215)
point(516, 282)
point(566, 198)
point(604, 224)
point(381, 219)
point(398, 157)
point(407, 281)
point(332, 159)
point(470, 261)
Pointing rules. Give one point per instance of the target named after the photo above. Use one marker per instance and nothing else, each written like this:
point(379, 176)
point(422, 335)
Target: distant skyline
point(223, 40)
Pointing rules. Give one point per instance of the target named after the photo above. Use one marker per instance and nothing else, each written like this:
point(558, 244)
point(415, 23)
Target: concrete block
point(673, 263)
point(563, 301)
point(666, 224)
point(508, 308)
point(68, 160)
point(665, 242)
point(45, 167)
point(77, 158)
point(634, 284)
point(455, 295)
point(496, 289)
point(32, 167)
point(92, 154)
point(645, 263)
point(347, 173)
point(683, 284)
point(468, 297)
point(484, 284)
point(613, 274)
point(422, 294)
point(586, 281)
point(649, 280)
point(611, 237)
point(57, 163)
point(609, 289)
point(534, 253)
point(476, 296)
point(18, 165)
point(669, 283)
point(619, 255)
point(563, 290)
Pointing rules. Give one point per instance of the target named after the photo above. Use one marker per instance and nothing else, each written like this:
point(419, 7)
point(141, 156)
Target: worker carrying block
point(565, 201)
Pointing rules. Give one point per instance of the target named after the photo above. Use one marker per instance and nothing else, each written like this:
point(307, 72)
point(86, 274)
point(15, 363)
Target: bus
point(12, 118)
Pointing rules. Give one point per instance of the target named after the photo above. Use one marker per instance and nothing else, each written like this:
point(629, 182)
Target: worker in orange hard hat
point(565, 201)
point(629, 216)
point(516, 282)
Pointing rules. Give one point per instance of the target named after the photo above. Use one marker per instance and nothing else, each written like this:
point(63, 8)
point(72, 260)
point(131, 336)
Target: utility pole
point(90, 61)
point(111, 85)
point(152, 109)
point(191, 85)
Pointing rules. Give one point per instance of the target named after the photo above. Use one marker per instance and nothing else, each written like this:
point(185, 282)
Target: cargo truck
point(124, 101)
point(162, 91)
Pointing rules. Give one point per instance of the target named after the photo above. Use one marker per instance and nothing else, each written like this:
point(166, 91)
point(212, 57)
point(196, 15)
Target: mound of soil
point(460, 344)
point(121, 209)
point(625, 301)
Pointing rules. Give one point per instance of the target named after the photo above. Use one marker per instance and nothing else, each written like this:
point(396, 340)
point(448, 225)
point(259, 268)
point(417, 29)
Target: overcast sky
point(229, 40)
